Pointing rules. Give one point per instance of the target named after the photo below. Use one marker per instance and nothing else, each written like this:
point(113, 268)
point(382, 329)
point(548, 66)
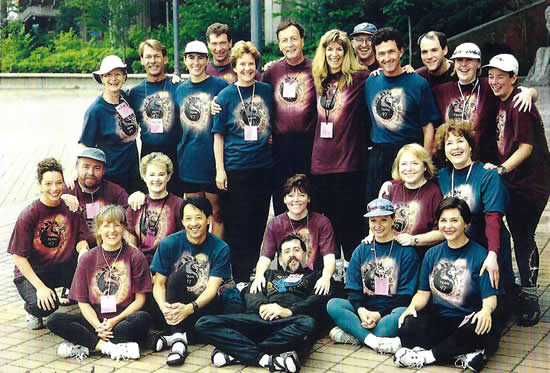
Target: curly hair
point(48, 165)
point(156, 158)
point(457, 128)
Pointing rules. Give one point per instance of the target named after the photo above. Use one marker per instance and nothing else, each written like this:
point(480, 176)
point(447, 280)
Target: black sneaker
point(529, 309)
point(475, 361)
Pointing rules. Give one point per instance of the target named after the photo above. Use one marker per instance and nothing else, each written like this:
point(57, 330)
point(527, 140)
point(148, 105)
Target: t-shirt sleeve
point(163, 259)
point(79, 287)
point(425, 271)
point(220, 119)
point(122, 199)
point(408, 278)
point(141, 276)
point(523, 125)
point(269, 246)
point(485, 287)
point(23, 235)
point(353, 273)
point(221, 266)
point(327, 243)
point(494, 193)
point(90, 128)
point(132, 217)
point(429, 112)
point(436, 199)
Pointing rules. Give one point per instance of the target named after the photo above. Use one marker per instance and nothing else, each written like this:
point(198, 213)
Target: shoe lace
point(80, 354)
point(385, 347)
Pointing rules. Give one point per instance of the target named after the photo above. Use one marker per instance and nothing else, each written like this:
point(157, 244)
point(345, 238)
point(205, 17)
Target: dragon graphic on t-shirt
point(460, 109)
point(51, 237)
point(464, 192)
point(152, 220)
point(111, 282)
point(389, 108)
point(197, 271)
point(332, 101)
point(406, 215)
point(159, 105)
point(253, 114)
point(305, 235)
point(127, 128)
point(449, 280)
point(385, 267)
point(195, 111)
point(299, 82)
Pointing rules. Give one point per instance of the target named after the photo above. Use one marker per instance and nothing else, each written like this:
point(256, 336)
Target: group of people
point(159, 238)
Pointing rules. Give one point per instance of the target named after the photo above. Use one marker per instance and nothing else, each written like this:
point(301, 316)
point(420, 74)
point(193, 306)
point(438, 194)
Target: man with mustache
point(277, 320)
point(154, 103)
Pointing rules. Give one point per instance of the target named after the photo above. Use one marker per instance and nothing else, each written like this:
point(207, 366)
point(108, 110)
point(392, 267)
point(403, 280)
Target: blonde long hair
point(320, 67)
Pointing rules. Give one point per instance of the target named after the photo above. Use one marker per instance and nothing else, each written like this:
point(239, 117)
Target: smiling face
point(363, 48)
point(432, 55)
point(411, 170)
point(219, 46)
point(381, 227)
point(196, 64)
point(389, 57)
point(452, 225)
point(291, 45)
point(113, 80)
point(90, 173)
point(501, 83)
point(153, 61)
point(458, 151)
point(245, 68)
point(111, 234)
point(466, 69)
point(195, 223)
point(156, 178)
point(51, 188)
point(291, 257)
point(334, 57)
point(296, 202)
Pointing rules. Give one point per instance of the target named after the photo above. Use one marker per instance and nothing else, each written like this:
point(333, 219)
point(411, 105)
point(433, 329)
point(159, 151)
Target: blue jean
point(346, 317)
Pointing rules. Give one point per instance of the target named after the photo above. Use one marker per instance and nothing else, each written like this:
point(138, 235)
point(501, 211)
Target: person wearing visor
point(110, 124)
point(361, 42)
point(524, 164)
point(380, 281)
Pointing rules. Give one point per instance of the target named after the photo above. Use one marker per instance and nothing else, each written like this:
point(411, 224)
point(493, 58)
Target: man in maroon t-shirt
point(362, 45)
point(295, 109)
point(437, 68)
point(91, 191)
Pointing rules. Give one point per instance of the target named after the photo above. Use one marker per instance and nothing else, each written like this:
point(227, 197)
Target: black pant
point(77, 330)
point(245, 206)
point(63, 278)
point(381, 159)
point(175, 184)
point(523, 217)
point(444, 337)
point(340, 197)
point(292, 155)
point(247, 337)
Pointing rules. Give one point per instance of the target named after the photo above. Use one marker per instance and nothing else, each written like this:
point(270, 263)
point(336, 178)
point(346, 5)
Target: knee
point(333, 305)
point(217, 216)
point(55, 321)
point(306, 324)
point(206, 323)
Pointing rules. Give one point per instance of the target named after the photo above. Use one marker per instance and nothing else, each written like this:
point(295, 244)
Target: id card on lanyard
point(327, 127)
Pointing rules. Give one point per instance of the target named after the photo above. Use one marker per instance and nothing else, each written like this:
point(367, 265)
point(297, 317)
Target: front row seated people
point(458, 321)
point(278, 319)
point(110, 286)
point(190, 266)
point(380, 280)
point(315, 229)
point(43, 245)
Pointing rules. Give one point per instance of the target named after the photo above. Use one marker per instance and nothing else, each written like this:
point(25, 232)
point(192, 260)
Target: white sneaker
point(124, 351)
point(340, 336)
point(67, 349)
point(388, 345)
point(475, 361)
point(33, 322)
point(407, 358)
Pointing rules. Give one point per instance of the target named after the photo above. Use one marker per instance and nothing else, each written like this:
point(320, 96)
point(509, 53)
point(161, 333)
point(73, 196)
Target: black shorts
point(197, 187)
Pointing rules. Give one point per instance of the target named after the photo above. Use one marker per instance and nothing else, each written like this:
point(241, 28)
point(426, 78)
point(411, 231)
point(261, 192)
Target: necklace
point(374, 248)
point(110, 267)
point(247, 112)
point(453, 178)
point(465, 102)
point(292, 226)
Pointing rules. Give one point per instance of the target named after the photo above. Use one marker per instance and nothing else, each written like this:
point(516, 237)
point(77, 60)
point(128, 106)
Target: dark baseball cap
point(364, 28)
point(92, 153)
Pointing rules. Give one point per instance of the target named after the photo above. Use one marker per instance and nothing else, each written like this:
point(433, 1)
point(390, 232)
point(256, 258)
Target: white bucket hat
point(108, 64)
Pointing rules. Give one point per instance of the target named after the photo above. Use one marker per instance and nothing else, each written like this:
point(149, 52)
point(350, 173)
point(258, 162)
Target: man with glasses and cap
point(361, 42)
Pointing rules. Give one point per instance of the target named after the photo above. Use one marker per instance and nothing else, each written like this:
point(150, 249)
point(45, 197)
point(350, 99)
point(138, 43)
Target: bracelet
point(195, 306)
point(501, 170)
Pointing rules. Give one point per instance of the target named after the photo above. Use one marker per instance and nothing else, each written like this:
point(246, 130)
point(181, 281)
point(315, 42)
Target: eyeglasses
point(361, 41)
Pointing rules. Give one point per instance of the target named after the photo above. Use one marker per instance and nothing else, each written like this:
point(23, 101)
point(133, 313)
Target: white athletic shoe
point(407, 358)
point(475, 361)
point(388, 345)
point(340, 336)
point(67, 349)
point(33, 322)
point(124, 351)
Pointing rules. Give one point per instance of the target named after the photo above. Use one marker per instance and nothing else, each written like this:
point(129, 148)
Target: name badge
point(91, 210)
point(150, 238)
point(124, 110)
point(156, 125)
point(289, 90)
point(292, 279)
point(326, 130)
point(108, 303)
point(381, 286)
point(250, 133)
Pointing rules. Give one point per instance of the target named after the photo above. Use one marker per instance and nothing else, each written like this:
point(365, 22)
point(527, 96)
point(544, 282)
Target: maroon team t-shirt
point(161, 217)
point(434, 81)
point(346, 150)
point(315, 230)
point(294, 96)
point(477, 105)
point(128, 276)
point(108, 194)
point(225, 72)
point(415, 208)
point(531, 179)
point(46, 237)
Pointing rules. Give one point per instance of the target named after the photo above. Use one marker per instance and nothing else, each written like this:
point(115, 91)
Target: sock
point(264, 361)
point(220, 361)
point(428, 356)
point(371, 340)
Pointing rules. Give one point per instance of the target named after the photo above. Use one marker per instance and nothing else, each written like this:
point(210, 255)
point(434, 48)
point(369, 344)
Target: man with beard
point(153, 102)
point(277, 320)
point(295, 109)
point(437, 68)
point(362, 46)
point(190, 265)
point(91, 191)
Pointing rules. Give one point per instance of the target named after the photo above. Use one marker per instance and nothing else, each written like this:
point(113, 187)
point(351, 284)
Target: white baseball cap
point(467, 50)
point(108, 64)
point(196, 46)
point(504, 62)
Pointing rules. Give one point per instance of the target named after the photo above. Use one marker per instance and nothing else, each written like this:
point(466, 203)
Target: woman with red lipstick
point(525, 168)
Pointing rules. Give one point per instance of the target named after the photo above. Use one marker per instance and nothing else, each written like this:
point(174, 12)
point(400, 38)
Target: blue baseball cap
point(92, 153)
point(364, 28)
point(379, 207)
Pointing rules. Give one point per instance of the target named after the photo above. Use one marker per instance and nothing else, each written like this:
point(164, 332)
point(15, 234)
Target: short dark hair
point(455, 203)
point(201, 203)
point(441, 37)
point(218, 29)
point(290, 237)
point(48, 164)
point(286, 24)
point(457, 128)
point(387, 34)
point(299, 181)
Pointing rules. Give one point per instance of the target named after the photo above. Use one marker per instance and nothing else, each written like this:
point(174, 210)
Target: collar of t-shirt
point(299, 66)
point(222, 67)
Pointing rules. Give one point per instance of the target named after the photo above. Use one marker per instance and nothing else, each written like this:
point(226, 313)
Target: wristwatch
point(415, 241)
point(501, 170)
point(195, 307)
